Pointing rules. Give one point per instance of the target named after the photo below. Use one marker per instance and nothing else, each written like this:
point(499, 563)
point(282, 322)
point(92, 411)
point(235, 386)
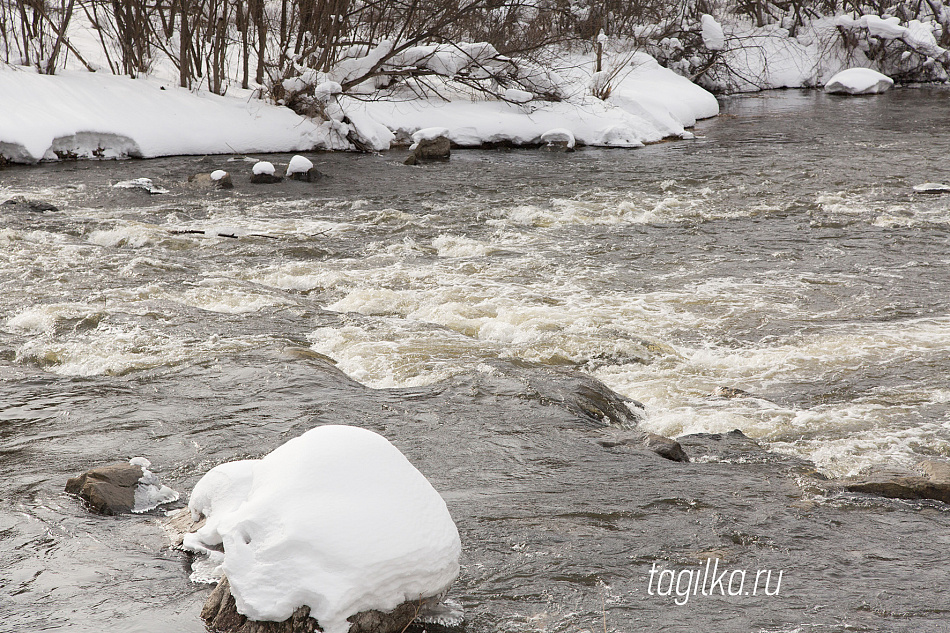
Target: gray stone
point(439, 148)
point(220, 615)
point(929, 480)
point(108, 489)
point(311, 175)
point(666, 447)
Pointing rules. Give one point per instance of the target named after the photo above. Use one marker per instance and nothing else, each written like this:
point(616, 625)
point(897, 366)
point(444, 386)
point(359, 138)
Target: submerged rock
point(929, 480)
point(145, 184)
point(23, 204)
point(663, 446)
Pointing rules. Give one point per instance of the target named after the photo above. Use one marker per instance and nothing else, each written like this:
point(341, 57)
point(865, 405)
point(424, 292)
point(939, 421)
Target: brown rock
point(665, 447)
point(108, 489)
point(221, 616)
point(439, 148)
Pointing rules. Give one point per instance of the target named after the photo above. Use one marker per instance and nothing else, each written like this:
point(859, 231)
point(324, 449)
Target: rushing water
point(782, 252)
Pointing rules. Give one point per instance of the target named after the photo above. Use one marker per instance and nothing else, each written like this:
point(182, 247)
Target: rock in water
point(263, 174)
point(336, 520)
point(932, 188)
point(120, 488)
point(221, 615)
point(858, 81)
point(108, 489)
point(302, 169)
point(929, 480)
point(431, 143)
point(20, 203)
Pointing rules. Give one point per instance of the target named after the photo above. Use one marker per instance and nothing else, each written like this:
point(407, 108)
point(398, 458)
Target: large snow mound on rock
point(336, 519)
point(859, 81)
point(96, 115)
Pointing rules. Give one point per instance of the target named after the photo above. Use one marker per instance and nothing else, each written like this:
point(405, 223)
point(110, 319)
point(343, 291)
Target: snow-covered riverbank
point(95, 115)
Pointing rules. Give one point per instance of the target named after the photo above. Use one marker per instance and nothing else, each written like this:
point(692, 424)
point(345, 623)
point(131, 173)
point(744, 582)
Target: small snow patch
point(140, 183)
point(218, 174)
point(149, 492)
point(429, 134)
point(932, 187)
point(713, 37)
point(518, 96)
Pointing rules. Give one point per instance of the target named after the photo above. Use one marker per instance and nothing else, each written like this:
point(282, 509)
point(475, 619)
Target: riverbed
point(781, 256)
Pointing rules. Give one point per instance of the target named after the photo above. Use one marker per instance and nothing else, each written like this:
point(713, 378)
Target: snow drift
point(86, 115)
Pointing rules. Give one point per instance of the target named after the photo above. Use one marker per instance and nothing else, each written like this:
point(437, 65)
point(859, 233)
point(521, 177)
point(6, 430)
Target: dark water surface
point(783, 252)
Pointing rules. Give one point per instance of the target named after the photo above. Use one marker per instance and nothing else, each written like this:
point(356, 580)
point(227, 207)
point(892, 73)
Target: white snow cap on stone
point(559, 135)
point(218, 174)
point(859, 81)
point(299, 165)
point(713, 37)
point(429, 134)
point(263, 167)
point(336, 519)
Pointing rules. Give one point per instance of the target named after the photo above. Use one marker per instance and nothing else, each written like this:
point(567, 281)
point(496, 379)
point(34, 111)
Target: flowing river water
point(782, 252)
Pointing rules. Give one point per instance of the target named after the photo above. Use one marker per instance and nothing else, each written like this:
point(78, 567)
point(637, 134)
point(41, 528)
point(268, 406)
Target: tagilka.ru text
point(709, 580)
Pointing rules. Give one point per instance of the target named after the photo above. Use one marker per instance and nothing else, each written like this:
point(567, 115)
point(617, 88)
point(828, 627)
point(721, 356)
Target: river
point(782, 252)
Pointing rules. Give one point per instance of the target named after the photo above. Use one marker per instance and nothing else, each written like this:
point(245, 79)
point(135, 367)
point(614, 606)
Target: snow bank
point(648, 104)
point(859, 81)
point(104, 116)
point(336, 519)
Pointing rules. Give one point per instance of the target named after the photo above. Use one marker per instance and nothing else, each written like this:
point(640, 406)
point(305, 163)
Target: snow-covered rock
point(122, 487)
point(298, 164)
point(859, 81)
point(336, 519)
point(263, 167)
point(302, 169)
point(218, 174)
